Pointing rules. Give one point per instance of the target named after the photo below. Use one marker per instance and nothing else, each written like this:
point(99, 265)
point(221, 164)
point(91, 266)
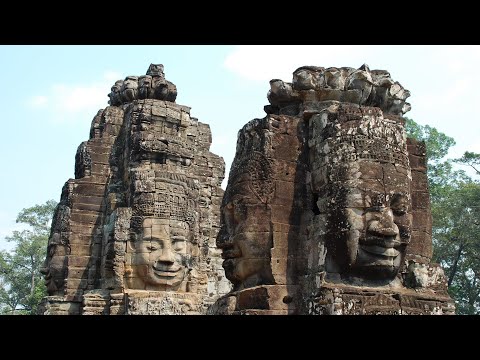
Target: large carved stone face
point(54, 269)
point(369, 228)
point(162, 254)
point(245, 237)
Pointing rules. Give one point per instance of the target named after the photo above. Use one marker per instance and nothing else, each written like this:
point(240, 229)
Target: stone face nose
point(383, 225)
point(167, 255)
point(223, 238)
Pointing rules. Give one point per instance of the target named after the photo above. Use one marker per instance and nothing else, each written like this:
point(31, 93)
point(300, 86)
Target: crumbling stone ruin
point(134, 232)
point(327, 210)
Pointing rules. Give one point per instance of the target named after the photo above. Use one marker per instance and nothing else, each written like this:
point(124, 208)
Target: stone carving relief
point(245, 234)
point(313, 84)
point(55, 265)
point(164, 251)
point(361, 178)
point(153, 85)
point(260, 218)
point(83, 161)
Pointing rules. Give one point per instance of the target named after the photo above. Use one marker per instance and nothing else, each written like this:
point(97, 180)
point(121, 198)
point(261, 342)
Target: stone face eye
point(399, 211)
point(178, 243)
point(375, 208)
point(51, 250)
point(399, 205)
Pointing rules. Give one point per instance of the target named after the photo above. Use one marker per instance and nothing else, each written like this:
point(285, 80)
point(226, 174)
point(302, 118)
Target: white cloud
point(266, 62)
point(38, 101)
point(68, 102)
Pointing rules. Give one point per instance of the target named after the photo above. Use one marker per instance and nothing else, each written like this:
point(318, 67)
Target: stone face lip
point(153, 85)
point(360, 86)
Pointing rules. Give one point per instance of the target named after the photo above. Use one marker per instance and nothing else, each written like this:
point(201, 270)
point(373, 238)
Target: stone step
point(81, 234)
point(88, 207)
point(100, 169)
point(99, 158)
point(87, 199)
point(111, 131)
point(105, 141)
point(99, 148)
point(89, 189)
point(80, 249)
point(99, 179)
point(84, 230)
point(81, 272)
point(74, 284)
point(85, 216)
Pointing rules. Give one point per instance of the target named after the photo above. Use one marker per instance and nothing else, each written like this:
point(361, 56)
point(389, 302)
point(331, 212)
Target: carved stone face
point(145, 87)
point(115, 96)
point(370, 228)
point(155, 70)
point(54, 269)
point(129, 89)
point(162, 254)
point(245, 238)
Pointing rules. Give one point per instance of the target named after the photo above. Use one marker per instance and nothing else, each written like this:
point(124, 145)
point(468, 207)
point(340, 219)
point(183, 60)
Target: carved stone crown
point(360, 86)
point(153, 85)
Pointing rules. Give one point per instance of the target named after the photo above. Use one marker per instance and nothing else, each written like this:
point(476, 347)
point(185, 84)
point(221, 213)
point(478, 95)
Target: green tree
point(20, 279)
point(455, 199)
point(471, 159)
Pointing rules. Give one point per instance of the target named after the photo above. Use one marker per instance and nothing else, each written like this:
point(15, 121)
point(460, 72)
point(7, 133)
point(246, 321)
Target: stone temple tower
point(135, 231)
point(326, 211)
point(327, 208)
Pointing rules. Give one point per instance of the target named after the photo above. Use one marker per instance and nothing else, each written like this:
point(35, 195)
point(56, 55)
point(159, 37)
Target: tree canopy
point(455, 199)
point(21, 288)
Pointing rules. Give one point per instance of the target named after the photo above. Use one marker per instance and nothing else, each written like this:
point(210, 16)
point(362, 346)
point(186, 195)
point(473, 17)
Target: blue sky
point(51, 94)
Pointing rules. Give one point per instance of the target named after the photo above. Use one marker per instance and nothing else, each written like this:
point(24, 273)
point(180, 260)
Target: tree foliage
point(455, 201)
point(21, 288)
point(471, 159)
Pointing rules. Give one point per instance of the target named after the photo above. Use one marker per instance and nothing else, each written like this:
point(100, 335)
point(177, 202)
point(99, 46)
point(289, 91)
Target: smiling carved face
point(377, 216)
point(161, 254)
